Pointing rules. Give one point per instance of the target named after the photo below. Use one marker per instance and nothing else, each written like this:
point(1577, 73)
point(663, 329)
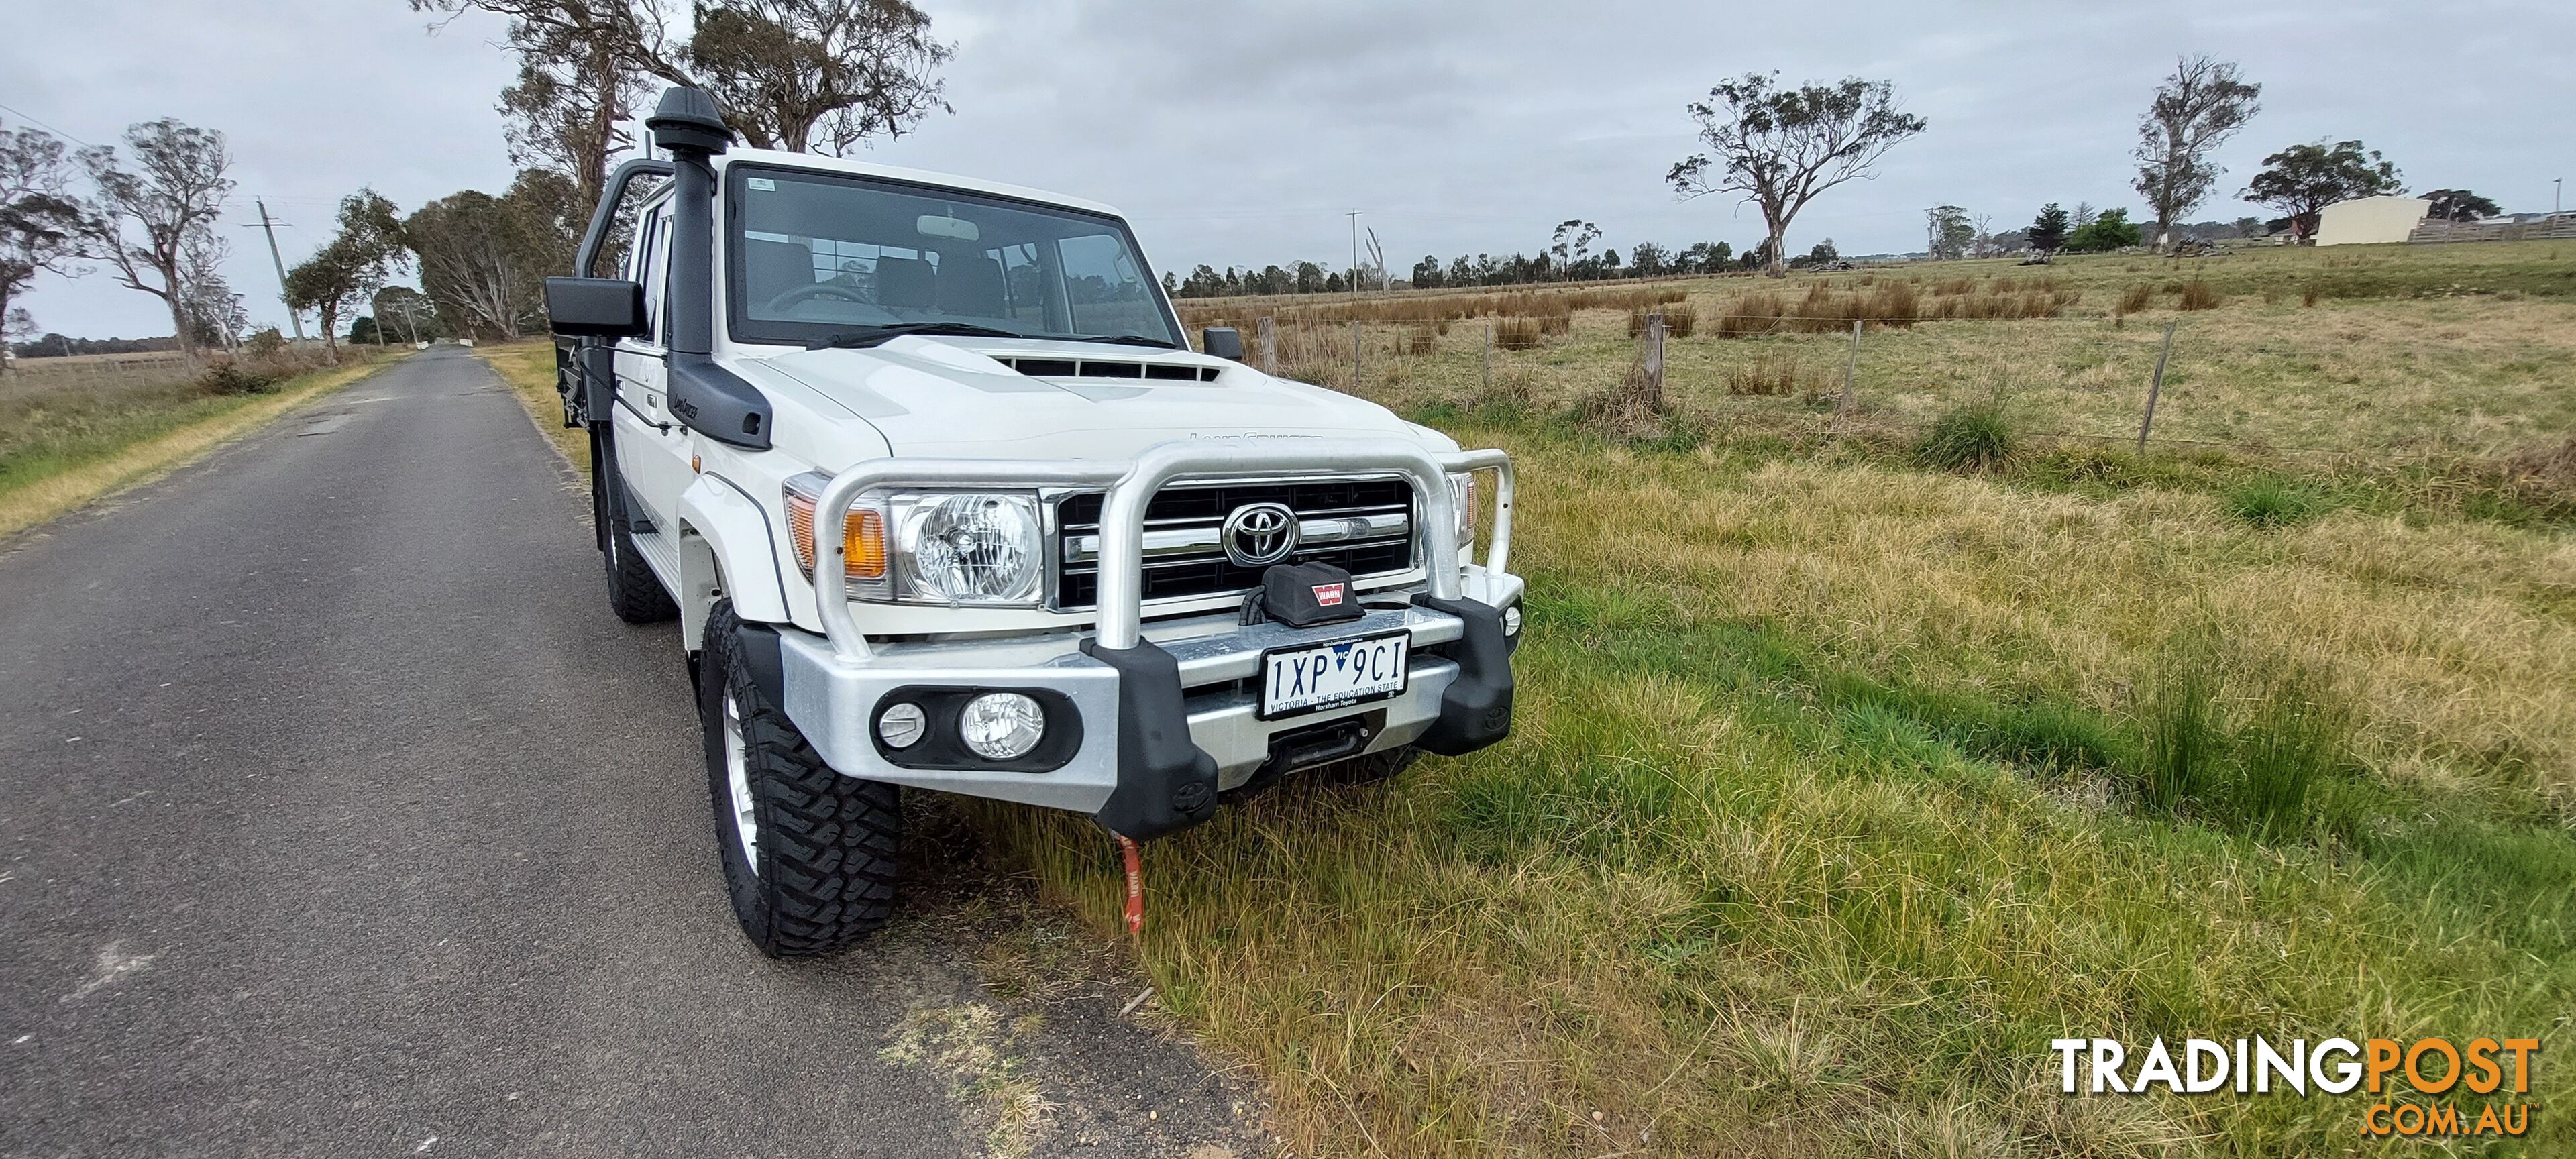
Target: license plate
point(1332, 675)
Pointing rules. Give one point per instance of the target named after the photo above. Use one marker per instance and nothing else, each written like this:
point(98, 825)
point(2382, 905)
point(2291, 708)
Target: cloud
point(1240, 133)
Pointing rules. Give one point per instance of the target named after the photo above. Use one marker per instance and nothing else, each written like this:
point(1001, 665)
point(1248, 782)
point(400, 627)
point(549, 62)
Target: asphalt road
point(339, 816)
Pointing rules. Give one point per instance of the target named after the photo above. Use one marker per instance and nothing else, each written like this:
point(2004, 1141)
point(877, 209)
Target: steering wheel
point(801, 294)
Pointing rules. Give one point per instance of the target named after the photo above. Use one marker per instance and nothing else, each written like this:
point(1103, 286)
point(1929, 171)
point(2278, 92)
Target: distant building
point(2370, 220)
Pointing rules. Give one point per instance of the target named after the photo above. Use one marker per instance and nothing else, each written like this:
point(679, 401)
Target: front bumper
point(1165, 716)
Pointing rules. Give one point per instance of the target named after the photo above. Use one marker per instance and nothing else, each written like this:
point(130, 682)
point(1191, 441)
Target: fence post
point(1654, 361)
point(1269, 347)
point(1851, 371)
point(2156, 386)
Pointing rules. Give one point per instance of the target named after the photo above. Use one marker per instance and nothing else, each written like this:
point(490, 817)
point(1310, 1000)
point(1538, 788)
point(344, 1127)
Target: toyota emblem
point(1259, 534)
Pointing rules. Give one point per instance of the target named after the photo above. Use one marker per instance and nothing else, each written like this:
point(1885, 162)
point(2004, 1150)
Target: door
point(652, 448)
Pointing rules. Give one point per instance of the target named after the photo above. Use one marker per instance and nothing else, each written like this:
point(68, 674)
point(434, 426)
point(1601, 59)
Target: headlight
point(1462, 495)
point(969, 549)
point(929, 547)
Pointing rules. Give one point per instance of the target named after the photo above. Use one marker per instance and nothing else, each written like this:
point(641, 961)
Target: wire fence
point(2107, 380)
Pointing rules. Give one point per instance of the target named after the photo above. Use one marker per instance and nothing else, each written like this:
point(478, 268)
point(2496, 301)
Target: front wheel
point(809, 854)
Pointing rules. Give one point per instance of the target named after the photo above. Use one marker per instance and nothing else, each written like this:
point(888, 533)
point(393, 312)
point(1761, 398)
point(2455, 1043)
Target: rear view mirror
point(1222, 341)
point(595, 307)
point(954, 228)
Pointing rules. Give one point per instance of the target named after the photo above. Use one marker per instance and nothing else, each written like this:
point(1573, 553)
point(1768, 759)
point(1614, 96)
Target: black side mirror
point(596, 307)
point(1222, 341)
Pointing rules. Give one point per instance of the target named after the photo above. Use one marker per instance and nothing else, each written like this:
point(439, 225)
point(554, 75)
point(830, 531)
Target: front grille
point(1373, 505)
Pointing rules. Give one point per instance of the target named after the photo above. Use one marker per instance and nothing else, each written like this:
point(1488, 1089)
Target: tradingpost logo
point(2407, 1081)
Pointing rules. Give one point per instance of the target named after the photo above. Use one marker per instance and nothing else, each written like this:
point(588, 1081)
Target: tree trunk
point(1779, 265)
point(179, 322)
point(593, 177)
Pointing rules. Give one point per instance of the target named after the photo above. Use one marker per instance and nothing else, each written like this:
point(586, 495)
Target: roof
point(820, 163)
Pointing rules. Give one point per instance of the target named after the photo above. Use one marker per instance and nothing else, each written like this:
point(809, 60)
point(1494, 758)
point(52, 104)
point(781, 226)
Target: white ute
point(942, 499)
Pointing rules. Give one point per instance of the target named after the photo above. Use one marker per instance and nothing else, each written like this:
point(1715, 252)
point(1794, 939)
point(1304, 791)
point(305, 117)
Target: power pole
point(1354, 215)
point(269, 227)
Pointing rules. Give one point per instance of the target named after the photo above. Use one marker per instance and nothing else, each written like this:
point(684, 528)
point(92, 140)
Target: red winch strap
point(1135, 884)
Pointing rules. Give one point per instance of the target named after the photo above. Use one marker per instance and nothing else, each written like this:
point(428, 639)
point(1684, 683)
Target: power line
point(41, 125)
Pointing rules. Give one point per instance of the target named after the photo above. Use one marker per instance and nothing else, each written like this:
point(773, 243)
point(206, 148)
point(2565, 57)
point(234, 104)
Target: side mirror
point(596, 307)
point(1222, 341)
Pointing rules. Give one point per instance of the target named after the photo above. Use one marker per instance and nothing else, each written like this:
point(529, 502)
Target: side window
point(654, 257)
point(1106, 291)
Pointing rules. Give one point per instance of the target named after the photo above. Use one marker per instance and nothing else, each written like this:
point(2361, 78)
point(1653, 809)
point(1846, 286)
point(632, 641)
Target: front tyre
point(809, 854)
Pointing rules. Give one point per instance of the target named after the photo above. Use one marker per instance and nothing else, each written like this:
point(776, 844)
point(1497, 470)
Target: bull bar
point(1144, 765)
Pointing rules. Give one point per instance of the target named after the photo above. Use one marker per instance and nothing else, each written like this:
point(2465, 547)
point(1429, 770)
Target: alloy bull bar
point(1146, 775)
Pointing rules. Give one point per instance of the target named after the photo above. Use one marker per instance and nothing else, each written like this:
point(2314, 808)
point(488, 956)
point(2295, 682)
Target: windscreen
point(820, 256)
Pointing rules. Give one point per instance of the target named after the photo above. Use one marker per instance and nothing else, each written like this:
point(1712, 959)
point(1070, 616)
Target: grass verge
point(529, 368)
point(131, 445)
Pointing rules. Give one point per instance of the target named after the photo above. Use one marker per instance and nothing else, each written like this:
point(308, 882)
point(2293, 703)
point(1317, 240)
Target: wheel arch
point(727, 551)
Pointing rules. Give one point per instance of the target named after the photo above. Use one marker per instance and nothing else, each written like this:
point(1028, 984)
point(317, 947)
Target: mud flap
point(1476, 709)
point(1165, 783)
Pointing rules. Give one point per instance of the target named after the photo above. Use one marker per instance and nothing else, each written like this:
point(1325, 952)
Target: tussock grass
point(1972, 437)
point(1769, 374)
point(62, 448)
point(2271, 501)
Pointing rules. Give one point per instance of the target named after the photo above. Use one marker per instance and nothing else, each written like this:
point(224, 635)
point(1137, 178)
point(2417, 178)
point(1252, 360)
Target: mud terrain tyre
point(809, 854)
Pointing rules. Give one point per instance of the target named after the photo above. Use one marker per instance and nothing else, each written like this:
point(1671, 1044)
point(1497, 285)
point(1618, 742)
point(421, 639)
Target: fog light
point(1512, 620)
point(902, 725)
point(1002, 726)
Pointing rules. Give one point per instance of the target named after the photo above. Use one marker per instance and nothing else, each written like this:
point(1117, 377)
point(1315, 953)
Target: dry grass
point(1773, 375)
point(68, 443)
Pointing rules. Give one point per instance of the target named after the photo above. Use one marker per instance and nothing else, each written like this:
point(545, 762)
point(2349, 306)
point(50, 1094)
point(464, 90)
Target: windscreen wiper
point(1130, 340)
point(883, 334)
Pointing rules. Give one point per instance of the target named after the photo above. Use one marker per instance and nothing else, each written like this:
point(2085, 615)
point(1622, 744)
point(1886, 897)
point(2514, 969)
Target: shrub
point(2270, 501)
point(1421, 340)
point(2309, 294)
point(1556, 325)
point(230, 377)
point(2197, 294)
point(1516, 333)
point(2137, 297)
point(1679, 321)
point(1971, 437)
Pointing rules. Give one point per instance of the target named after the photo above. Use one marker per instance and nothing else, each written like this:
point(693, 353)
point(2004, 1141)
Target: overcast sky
point(1241, 133)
